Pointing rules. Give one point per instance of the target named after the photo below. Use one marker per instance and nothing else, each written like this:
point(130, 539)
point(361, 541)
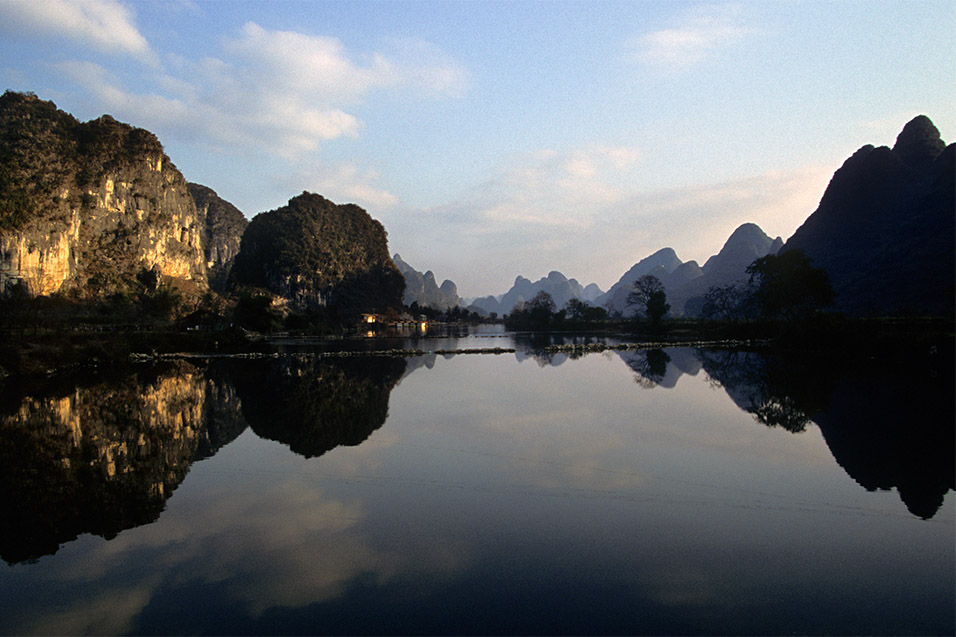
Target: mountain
point(659, 264)
point(885, 229)
point(85, 207)
point(314, 254)
point(746, 244)
point(685, 281)
point(224, 225)
point(561, 288)
point(424, 290)
point(591, 293)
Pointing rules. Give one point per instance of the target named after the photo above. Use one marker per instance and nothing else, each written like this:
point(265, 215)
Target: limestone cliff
point(424, 289)
point(85, 207)
point(885, 229)
point(224, 225)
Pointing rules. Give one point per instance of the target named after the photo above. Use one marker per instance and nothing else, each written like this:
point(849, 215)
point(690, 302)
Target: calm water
point(676, 491)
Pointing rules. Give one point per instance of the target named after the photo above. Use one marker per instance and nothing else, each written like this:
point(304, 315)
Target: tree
point(649, 297)
point(787, 286)
point(541, 308)
point(536, 313)
point(728, 302)
point(578, 311)
point(254, 312)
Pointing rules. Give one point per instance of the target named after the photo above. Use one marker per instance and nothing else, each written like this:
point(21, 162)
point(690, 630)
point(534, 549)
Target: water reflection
point(657, 367)
point(103, 454)
point(888, 422)
point(97, 456)
point(315, 404)
point(474, 493)
point(534, 346)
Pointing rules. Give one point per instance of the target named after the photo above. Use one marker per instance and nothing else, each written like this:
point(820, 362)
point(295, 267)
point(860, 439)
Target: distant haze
point(501, 139)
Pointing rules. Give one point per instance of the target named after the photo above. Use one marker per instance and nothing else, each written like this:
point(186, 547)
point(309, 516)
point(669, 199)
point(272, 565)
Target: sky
point(501, 138)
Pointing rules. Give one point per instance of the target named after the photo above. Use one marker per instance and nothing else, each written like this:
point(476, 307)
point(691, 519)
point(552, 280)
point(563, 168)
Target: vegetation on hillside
point(44, 151)
point(319, 254)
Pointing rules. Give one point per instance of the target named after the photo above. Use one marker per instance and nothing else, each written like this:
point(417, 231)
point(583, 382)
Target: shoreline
point(55, 353)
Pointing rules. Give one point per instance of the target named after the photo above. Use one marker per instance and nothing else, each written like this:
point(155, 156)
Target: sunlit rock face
point(85, 207)
point(96, 458)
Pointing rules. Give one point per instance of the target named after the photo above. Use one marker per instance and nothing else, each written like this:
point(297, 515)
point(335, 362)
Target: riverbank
point(49, 353)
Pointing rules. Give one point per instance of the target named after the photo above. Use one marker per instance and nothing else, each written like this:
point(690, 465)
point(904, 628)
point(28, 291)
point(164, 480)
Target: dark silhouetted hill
point(685, 283)
point(885, 229)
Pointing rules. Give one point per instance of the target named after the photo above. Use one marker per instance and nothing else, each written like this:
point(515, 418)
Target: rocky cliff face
point(315, 254)
point(424, 289)
point(85, 207)
point(224, 225)
point(885, 230)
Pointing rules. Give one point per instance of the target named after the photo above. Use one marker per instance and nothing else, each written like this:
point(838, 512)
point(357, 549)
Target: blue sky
point(494, 139)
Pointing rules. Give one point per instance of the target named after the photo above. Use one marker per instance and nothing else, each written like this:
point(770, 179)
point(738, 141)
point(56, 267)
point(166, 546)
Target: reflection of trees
point(650, 367)
point(888, 421)
point(534, 345)
point(776, 391)
point(97, 456)
point(314, 405)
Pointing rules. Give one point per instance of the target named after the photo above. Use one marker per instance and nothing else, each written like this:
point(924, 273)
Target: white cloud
point(279, 93)
point(699, 34)
point(343, 182)
point(316, 67)
point(423, 67)
point(105, 25)
point(557, 189)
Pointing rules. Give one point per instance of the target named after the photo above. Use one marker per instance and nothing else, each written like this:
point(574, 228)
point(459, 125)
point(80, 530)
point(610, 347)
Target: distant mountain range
point(561, 288)
point(686, 283)
point(424, 290)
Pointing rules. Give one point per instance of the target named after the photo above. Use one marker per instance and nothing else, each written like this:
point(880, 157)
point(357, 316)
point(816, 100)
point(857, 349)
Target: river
point(534, 491)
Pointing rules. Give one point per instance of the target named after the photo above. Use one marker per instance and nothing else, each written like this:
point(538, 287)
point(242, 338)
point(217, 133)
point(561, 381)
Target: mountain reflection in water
point(103, 455)
point(543, 481)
